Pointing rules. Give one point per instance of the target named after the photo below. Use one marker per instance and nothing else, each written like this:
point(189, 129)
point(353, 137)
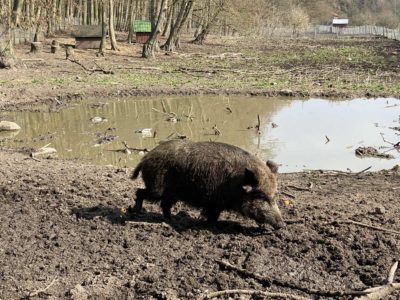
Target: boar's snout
point(264, 213)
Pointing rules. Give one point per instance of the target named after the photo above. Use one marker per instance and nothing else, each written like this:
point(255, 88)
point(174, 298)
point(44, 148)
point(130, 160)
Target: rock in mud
point(9, 126)
point(371, 152)
point(44, 152)
point(286, 92)
point(78, 293)
point(97, 120)
point(380, 210)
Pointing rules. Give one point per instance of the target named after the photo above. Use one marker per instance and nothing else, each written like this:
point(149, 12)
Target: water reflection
point(298, 142)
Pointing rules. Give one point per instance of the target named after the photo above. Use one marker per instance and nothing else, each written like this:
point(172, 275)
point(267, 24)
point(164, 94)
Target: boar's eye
point(247, 188)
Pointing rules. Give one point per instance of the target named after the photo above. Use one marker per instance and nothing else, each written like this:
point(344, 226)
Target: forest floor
point(63, 230)
point(325, 67)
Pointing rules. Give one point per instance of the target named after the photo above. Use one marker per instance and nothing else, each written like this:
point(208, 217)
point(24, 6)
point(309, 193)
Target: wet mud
point(64, 234)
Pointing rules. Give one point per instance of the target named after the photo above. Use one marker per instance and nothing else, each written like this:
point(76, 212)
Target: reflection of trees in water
point(73, 129)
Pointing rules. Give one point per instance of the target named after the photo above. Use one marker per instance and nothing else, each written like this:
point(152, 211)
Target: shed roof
point(141, 26)
point(340, 21)
point(87, 31)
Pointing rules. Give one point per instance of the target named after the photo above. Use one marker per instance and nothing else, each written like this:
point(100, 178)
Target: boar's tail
point(136, 172)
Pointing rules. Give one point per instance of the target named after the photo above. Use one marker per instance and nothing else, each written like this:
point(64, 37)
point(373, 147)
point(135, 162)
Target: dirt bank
point(61, 228)
point(325, 67)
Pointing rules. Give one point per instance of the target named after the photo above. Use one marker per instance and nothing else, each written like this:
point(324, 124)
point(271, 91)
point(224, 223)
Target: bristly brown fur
point(207, 175)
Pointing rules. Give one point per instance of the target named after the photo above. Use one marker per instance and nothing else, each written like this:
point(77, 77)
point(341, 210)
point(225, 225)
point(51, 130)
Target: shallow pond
point(298, 134)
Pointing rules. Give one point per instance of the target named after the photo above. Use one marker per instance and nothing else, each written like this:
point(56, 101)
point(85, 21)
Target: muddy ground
point(61, 226)
point(325, 67)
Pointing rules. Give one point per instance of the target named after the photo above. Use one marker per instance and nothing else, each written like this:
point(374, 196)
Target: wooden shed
point(142, 30)
point(340, 23)
point(87, 36)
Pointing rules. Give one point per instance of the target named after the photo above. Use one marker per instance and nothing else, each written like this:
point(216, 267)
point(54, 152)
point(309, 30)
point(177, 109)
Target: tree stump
point(69, 51)
point(36, 47)
point(54, 46)
point(6, 62)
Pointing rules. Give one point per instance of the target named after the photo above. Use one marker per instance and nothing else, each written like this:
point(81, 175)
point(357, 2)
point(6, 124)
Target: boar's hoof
point(135, 209)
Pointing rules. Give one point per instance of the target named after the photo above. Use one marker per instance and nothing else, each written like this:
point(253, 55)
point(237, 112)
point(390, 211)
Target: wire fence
point(22, 36)
point(26, 35)
point(366, 30)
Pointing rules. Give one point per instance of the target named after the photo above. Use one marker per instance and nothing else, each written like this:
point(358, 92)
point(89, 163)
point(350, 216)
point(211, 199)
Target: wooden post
point(54, 46)
point(36, 47)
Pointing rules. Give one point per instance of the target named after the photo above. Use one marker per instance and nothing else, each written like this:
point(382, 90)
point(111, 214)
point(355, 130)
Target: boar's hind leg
point(212, 214)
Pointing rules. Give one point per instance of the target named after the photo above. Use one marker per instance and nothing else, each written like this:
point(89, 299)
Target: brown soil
point(61, 224)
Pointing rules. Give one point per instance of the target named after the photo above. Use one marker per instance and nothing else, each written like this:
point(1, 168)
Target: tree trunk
point(209, 22)
point(131, 19)
point(200, 38)
point(173, 38)
point(10, 47)
point(103, 28)
point(111, 30)
point(150, 46)
point(17, 12)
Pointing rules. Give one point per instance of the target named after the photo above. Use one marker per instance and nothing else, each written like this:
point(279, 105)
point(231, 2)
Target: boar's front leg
point(167, 202)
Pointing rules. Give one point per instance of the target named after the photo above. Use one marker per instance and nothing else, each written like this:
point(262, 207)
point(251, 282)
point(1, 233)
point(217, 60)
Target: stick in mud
point(269, 282)
point(380, 292)
point(36, 293)
point(366, 226)
point(255, 293)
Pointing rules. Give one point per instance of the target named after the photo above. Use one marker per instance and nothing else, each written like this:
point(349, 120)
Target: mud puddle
point(299, 134)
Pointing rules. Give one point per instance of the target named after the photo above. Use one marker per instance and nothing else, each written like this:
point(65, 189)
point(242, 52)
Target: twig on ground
point(362, 171)
point(162, 224)
point(392, 272)
point(380, 292)
point(395, 145)
point(36, 293)
point(254, 292)
point(289, 195)
point(103, 70)
point(299, 188)
point(90, 70)
point(269, 282)
point(366, 226)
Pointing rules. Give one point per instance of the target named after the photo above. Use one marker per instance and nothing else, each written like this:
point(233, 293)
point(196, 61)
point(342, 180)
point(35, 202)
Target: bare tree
point(211, 12)
point(173, 38)
point(103, 28)
point(150, 46)
point(111, 28)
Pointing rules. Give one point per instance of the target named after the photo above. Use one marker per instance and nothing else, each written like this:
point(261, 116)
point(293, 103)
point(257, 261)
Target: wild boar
point(211, 176)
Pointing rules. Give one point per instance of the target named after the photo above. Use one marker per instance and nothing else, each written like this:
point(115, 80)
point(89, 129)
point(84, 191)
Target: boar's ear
point(272, 166)
point(250, 180)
